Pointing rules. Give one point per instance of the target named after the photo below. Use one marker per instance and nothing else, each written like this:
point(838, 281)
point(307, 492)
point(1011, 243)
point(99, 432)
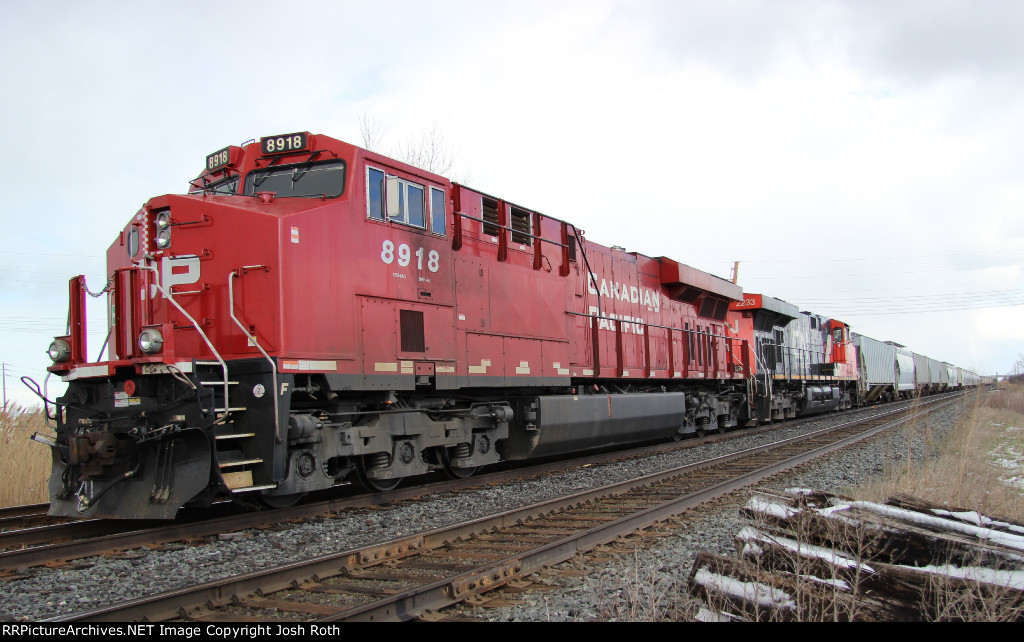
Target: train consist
point(312, 313)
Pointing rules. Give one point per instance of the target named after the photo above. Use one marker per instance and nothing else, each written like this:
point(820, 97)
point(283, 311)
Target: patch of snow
point(753, 592)
point(751, 548)
point(1008, 457)
point(835, 582)
point(706, 615)
point(805, 492)
point(1008, 579)
point(973, 517)
point(922, 519)
point(749, 534)
point(827, 512)
point(771, 509)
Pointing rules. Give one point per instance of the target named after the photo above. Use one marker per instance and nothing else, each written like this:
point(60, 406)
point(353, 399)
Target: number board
point(218, 159)
point(285, 143)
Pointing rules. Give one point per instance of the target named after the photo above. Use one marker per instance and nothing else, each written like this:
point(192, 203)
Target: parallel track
point(27, 516)
point(405, 578)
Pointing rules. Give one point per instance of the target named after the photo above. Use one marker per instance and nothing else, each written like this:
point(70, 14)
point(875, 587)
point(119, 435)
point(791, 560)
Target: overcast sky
point(861, 160)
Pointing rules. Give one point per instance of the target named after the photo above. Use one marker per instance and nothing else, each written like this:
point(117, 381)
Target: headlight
point(163, 229)
point(163, 238)
point(151, 341)
point(59, 351)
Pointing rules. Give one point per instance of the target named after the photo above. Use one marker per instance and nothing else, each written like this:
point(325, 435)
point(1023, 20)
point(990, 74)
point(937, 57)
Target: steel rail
point(449, 591)
point(23, 511)
point(191, 601)
point(29, 515)
point(26, 547)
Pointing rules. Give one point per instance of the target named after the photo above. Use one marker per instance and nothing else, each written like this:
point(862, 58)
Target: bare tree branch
point(428, 150)
point(372, 133)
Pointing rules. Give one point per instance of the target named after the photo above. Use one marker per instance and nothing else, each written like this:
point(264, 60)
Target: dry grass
point(24, 464)
point(643, 594)
point(978, 467)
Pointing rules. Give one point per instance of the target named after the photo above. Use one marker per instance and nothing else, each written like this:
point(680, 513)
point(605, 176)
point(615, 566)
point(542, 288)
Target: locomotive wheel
point(375, 485)
point(281, 501)
point(460, 473)
point(453, 472)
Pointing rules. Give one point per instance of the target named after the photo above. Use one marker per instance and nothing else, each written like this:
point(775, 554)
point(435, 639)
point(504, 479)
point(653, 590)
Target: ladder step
point(247, 489)
point(217, 383)
point(231, 463)
point(240, 435)
point(229, 409)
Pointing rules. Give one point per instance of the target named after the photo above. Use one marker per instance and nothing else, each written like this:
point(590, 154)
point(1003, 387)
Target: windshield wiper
point(299, 171)
point(258, 180)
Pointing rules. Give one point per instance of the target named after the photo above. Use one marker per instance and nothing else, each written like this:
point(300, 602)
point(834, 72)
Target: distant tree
point(429, 150)
point(372, 133)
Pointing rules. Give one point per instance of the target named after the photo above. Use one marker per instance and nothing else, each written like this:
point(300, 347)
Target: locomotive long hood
point(684, 283)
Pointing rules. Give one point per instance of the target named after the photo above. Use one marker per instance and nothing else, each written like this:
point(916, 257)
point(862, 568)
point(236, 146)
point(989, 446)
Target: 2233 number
point(405, 255)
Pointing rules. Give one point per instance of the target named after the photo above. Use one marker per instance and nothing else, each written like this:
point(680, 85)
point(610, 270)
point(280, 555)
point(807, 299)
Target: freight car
point(312, 314)
point(879, 369)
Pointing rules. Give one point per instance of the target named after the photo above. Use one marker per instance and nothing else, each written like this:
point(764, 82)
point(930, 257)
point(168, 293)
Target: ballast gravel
point(640, 587)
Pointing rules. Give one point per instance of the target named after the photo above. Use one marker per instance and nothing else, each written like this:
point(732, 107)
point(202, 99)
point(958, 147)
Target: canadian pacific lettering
point(628, 293)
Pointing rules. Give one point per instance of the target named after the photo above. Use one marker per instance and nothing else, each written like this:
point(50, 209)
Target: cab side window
point(375, 193)
point(412, 206)
point(437, 220)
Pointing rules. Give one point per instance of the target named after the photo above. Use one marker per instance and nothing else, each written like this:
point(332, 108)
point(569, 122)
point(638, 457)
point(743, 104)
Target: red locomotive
point(312, 313)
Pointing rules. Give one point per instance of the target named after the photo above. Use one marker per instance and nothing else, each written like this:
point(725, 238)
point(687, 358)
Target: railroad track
point(27, 516)
point(411, 576)
point(54, 540)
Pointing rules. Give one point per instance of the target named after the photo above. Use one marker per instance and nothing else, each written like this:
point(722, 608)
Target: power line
point(900, 273)
point(922, 287)
point(995, 296)
point(77, 256)
point(857, 312)
point(901, 257)
point(886, 258)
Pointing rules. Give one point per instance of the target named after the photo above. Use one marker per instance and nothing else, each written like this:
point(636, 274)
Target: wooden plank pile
point(812, 556)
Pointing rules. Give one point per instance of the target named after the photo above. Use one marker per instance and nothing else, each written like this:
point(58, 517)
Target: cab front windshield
point(321, 180)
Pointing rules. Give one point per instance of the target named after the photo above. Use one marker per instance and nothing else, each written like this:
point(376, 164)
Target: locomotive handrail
point(206, 339)
point(515, 205)
point(509, 228)
point(709, 338)
point(590, 272)
point(653, 325)
point(273, 366)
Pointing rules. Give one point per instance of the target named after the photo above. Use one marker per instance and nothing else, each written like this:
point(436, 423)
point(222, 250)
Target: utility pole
point(735, 271)
point(3, 376)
